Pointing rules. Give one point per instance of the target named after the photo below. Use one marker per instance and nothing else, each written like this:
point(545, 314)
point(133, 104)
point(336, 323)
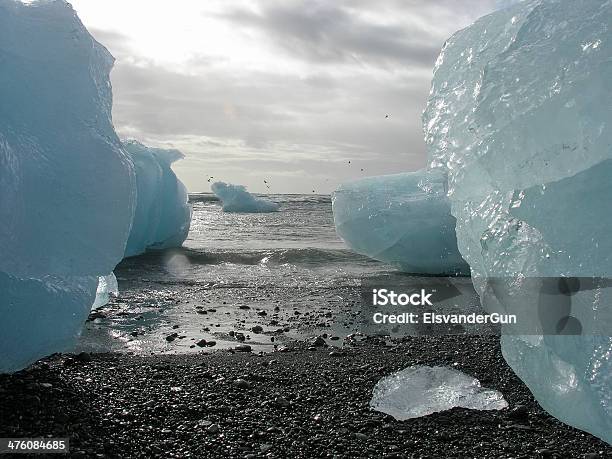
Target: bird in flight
point(210, 178)
point(267, 186)
point(387, 116)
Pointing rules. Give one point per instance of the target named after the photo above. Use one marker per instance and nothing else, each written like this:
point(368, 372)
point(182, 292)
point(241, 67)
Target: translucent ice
point(67, 189)
point(519, 119)
point(163, 214)
point(422, 390)
point(107, 288)
point(235, 198)
point(401, 219)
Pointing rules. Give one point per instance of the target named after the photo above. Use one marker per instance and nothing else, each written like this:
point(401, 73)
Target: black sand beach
point(306, 401)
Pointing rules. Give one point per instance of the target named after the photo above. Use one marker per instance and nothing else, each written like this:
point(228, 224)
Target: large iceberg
point(163, 213)
point(236, 198)
point(519, 118)
point(67, 187)
point(402, 219)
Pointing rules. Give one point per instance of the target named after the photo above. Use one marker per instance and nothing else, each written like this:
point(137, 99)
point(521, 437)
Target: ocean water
point(294, 247)
point(285, 271)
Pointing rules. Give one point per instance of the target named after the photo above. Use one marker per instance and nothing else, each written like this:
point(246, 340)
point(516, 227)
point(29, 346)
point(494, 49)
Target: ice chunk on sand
point(163, 214)
point(235, 198)
point(422, 390)
point(519, 119)
point(107, 288)
point(401, 219)
point(67, 188)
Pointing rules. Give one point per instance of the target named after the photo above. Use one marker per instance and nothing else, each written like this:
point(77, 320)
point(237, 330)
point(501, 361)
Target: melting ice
point(107, 288)
point(519, 119)
point(163, 214)
point(68, 188)
point(403, 219)
point(422, 390)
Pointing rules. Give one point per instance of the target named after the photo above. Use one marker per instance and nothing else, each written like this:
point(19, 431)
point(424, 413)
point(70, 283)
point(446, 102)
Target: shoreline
point(306, 401)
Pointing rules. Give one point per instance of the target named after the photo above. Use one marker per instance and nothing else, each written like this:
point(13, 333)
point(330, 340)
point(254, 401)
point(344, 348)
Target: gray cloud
point(299, 129)
point(327, 117)
point(332, 33)
point(115, 42)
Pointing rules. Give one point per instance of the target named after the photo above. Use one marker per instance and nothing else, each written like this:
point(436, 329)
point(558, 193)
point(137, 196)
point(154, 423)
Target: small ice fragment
point(422, 390)
point(107, 287)
point(235, 198)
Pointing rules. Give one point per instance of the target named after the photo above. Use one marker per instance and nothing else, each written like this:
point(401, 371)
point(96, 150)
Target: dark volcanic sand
point(119, 405)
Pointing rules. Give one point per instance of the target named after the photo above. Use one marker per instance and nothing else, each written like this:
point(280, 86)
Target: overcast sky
point(283, 90)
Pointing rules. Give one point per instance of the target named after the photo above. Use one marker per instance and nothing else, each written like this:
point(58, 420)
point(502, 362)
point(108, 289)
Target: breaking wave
point(294, 256)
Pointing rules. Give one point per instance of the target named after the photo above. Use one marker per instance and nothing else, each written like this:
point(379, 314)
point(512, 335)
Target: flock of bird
point(268, 184)
point(314, 191)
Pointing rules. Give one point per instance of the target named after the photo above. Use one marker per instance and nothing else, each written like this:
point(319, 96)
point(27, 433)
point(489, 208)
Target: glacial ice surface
point(235, 198)
point(422, 390)
point(67, 189)
point(519, 118)
point(163, 213)
point(401, 219)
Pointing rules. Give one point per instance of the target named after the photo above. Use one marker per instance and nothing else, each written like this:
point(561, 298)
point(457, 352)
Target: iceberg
point(67, 187)
point(235, 198)
point(163, 214)
point(519, 119)
point(404, 220)
point(422, 390)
